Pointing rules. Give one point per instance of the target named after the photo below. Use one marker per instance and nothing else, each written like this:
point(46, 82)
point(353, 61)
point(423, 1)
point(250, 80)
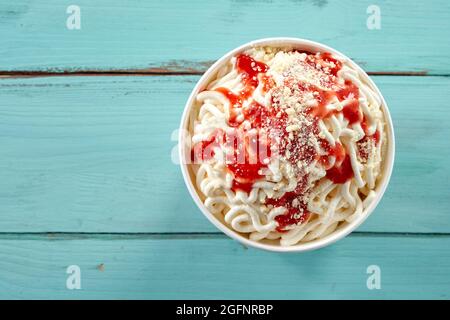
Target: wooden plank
point(214, 268)
point(93, 154)
point(185, 36)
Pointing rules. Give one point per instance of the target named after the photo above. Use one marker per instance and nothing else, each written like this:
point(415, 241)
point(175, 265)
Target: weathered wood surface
point(178, 35)
point(138, 267)
point(93, 154)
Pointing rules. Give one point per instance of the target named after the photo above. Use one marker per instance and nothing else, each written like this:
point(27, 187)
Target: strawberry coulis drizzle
point(245, 174)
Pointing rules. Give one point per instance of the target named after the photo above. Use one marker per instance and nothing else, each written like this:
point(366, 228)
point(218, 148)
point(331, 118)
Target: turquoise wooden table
point(91, 205)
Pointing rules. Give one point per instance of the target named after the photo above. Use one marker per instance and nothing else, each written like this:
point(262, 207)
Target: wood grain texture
point(93, 154)
point(185, 36)
point(220, 268)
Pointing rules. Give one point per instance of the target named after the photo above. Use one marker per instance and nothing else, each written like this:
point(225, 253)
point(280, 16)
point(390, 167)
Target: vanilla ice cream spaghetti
point(287, 145)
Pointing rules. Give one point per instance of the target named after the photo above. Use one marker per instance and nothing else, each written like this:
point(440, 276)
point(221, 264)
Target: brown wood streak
point(93, 73)
point(154, 72)
point(398, 73)
point(173, 69)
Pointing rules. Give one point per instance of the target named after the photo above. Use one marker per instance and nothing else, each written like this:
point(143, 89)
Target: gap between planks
point(64, 236)
point(165, 72)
